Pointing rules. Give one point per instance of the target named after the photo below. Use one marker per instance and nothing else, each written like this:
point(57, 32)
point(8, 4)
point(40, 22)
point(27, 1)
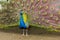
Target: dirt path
point(34, 34)
point(14, 36)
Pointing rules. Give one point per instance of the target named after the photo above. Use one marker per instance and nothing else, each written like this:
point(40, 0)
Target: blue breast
point(22, 24)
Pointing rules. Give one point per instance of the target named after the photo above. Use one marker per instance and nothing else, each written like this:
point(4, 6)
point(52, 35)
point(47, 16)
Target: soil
point(34, 34)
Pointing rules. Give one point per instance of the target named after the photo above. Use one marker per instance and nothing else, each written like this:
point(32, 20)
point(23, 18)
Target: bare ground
point(34, 34)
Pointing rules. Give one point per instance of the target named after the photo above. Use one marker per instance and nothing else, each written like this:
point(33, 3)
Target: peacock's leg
point(23, 32)
point(26, 32)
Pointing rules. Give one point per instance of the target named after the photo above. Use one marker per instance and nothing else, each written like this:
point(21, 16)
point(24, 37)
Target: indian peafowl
point(24, 22)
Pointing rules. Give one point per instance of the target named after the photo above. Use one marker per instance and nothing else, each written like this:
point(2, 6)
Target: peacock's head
point(21, 12)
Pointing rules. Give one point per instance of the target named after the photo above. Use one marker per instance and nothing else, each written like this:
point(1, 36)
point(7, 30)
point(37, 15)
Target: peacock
point(24, 22)
point(42, 12)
